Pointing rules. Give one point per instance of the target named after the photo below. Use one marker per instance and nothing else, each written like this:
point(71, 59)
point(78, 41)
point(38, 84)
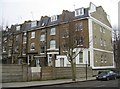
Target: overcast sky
point(17, 11)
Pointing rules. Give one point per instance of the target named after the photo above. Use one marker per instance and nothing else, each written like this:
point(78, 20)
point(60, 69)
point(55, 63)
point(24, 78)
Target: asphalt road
point(94, 84)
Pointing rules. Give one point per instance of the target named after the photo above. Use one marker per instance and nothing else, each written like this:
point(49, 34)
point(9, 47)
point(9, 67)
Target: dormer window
point(53, 18)
point(79, 12)
point(34, 23)
point(17, 28)
point(43, 24)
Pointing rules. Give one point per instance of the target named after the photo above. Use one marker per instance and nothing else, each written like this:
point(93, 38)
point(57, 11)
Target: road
point(83, 84)
point(111, 83)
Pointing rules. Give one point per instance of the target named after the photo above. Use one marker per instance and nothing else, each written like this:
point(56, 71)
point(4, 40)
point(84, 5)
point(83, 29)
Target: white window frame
point(32, 34)
point(79, 12)
point(80, 54)
point(42, 37)
point(101, 29)
point(61, 62)
point(4, 50)
point(102, 59)
point(31, 46)
point(24, 39)
point(5, 39)
point(24, 33)
point(78, 26)
point(104, 42)
point(52, 31)
point(24, 50)
point(101, 43)
point(17, 28)
point(54, 18)
point(17, 38)
point(17, 48)
point(9, 52)
point(52, 44)
point(34, 24)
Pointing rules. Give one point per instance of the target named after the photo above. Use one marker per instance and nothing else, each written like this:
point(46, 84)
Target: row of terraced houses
point(43, 42)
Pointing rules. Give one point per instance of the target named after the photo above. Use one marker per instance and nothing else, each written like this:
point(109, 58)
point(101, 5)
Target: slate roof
point(45, 21)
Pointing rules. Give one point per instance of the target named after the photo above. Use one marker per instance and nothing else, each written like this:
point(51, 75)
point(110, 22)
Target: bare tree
point(116, 46)
point(72, 41)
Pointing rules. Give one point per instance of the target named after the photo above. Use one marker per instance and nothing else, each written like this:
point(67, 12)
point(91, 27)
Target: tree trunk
point(73, 67)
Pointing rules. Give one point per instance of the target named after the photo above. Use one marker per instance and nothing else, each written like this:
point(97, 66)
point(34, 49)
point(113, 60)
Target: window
point(81, 57)
point(34, 23)
point(101, 42)
point(17, 28)
point(103, 30)
point(42, 37)
point(78, 26)
point(32, 34)
point(25, 34)
point(32, 47)
point(66, 34)
point(79, 12)
point(52, 44)
point(53, 18)
point(16, 49)
point(43, 24)
point(24, 50)
point(61, 62)
point(42, 50)
point(104, 42)
point(95, 39)
point(24, 39)
point(5, 39)
point(4, 49)
point(17, 38)
point(65, 45)
point(105, 59)
point(9, 52)
point(79, 41)
point(53, 31)
point(101, 58)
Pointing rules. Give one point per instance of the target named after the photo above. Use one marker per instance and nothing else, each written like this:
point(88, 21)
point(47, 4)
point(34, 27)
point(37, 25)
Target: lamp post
point(86, 70)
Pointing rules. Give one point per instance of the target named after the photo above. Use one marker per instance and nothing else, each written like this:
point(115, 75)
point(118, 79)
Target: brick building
point(44, 42)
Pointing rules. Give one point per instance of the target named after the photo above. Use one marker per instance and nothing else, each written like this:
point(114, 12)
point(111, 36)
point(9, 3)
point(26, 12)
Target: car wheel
point(107, 78)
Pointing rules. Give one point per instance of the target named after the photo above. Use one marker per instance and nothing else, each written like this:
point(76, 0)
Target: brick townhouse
point(44, 42)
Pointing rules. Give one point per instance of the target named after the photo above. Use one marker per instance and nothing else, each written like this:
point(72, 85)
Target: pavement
point(42, 83)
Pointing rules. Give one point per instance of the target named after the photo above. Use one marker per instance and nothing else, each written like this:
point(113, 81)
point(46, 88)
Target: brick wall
point(15, 73)
point(64, 72)
point(18, 73)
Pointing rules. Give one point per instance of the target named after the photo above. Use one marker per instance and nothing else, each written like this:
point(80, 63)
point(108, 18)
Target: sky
point(18, 11)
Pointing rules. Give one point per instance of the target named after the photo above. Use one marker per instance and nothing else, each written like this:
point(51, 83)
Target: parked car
point(117, 73)
point(106, 75)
